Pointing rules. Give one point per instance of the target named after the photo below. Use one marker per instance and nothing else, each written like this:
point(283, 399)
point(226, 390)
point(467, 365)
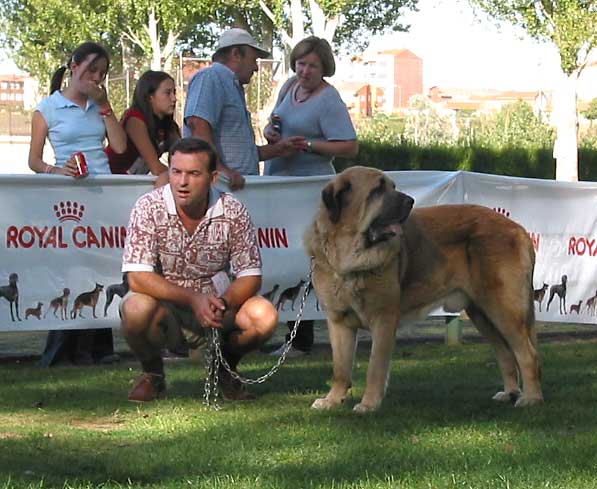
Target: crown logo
point(69, 211)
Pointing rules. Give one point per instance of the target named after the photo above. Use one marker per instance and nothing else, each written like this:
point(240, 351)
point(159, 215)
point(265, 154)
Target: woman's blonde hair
point(320, 47)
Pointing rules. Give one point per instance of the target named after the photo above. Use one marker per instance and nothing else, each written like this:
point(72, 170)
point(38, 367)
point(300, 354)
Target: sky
point(459, 50)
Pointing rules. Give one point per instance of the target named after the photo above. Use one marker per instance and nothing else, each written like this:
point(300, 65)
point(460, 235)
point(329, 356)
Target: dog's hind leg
point(505, 357)
point(518, 330)
point(343, 335)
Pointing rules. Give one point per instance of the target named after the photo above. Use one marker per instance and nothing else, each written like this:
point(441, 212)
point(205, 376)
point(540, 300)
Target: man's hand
point(235, 179)
point(271, 135)
point(209, 310)
point(290, 146)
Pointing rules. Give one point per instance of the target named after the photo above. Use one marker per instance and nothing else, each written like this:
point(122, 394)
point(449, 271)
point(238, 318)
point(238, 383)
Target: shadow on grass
point(437, 419)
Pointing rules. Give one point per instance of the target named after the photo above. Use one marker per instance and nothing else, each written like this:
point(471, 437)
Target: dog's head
point(13, 278)
point(365, 201)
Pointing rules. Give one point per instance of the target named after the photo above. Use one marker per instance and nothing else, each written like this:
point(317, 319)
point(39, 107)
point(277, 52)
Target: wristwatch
point(309, 147)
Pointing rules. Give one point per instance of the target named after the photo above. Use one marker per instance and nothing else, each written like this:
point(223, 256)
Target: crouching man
point(181, 240)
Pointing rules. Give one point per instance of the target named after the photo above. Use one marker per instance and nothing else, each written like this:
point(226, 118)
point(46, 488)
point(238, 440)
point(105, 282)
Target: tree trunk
point(565, 117)
point(154, 38)
point(323, 26)
point(297, 21)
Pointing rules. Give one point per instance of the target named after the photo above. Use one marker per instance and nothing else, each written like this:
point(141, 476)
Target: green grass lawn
point(437, 428)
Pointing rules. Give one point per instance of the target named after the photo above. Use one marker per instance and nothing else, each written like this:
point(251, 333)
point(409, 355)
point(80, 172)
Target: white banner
point(62, 234)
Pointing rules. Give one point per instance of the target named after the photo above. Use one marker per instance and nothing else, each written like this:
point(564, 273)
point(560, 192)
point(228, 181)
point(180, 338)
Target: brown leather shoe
point(232, 389)
point(148, 387)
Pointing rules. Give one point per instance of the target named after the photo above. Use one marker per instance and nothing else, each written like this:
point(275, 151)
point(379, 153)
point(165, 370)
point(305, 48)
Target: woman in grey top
point(309, 106)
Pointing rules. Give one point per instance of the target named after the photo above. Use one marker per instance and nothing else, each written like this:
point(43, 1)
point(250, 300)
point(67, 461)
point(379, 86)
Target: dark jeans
point(304, 335)
point(70, 344)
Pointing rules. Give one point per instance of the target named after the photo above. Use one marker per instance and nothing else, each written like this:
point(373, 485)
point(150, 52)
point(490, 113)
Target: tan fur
point(459, 256)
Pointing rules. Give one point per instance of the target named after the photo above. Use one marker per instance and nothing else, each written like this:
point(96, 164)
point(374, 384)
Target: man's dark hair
point(194, 145)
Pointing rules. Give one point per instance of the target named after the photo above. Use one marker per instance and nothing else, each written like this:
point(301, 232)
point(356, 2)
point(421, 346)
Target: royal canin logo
point(67, 211)
point(64, 235)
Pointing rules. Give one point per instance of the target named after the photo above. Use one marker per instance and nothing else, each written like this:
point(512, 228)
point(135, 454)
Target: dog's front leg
point(343, 333)
point(383, 335)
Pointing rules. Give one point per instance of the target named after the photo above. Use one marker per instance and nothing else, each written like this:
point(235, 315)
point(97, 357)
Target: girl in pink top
point(149, 125)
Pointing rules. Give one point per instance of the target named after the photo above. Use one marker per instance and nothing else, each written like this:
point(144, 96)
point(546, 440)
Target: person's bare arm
point(283, 148)
point(137, 130)
point(114, 131)
point(345, 149)
point(39, 133)
point(200, 128)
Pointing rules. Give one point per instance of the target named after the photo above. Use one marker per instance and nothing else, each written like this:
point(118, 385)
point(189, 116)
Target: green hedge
point(519, 162)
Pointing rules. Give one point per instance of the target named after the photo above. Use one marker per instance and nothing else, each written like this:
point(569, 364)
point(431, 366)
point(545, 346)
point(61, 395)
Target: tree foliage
point(514, 126)
point(349, 23)
point(591, 111)
point(41, 34)
point(426, 126)
point(569, 24)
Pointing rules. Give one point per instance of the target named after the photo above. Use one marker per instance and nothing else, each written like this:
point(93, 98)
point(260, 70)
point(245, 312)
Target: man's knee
point(258, 314)
point(138, 310)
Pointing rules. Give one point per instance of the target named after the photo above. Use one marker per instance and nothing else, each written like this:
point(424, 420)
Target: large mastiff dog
point(377, 263)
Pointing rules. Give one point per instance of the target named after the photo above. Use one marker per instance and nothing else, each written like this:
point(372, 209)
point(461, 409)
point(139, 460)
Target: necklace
point(303, 99)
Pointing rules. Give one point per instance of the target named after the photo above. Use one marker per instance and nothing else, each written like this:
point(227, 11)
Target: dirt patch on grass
point(98, 425)
point(11, 436)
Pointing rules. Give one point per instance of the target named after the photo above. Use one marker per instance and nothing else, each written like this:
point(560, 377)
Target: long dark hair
point(147, 85)
point(78, 56)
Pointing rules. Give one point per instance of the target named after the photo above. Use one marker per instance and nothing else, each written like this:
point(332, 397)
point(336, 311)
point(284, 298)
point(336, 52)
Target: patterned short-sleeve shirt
point(225, 237)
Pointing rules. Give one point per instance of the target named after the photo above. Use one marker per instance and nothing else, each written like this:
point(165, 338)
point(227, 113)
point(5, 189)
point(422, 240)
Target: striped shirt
point(216, 96)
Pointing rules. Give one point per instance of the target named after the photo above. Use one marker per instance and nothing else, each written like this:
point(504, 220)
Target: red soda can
point(81, 163)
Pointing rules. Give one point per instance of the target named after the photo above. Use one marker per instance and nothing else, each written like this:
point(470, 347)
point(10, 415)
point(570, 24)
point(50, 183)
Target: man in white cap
point(216, 110)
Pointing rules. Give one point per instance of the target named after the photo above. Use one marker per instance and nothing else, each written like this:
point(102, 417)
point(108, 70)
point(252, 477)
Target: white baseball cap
point(240, 37)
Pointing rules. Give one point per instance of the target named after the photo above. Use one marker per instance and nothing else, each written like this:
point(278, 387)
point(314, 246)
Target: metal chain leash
point(212, 367)
point(215, 359)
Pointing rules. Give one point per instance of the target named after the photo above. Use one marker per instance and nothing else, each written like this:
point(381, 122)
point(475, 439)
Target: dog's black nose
point(409, 202)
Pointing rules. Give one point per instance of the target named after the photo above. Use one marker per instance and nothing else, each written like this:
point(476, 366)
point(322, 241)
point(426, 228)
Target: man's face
point(246, 65)
point(190, 180)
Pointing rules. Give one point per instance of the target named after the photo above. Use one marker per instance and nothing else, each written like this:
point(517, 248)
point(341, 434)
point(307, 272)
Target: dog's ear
point(335, 198)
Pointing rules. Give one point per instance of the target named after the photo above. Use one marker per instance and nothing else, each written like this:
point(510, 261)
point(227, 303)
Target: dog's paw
point(324, 403)
point(524, 401)
point(511, 396)
point(362, 408)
